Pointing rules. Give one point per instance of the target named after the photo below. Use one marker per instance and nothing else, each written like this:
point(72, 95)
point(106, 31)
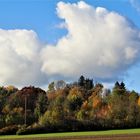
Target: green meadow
point(72, 134)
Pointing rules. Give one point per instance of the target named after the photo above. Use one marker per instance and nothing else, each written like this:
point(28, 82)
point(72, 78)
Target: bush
point(2, 121)
point(9, 130)
point(21, 130)
point(33, 129)
point(38, 129)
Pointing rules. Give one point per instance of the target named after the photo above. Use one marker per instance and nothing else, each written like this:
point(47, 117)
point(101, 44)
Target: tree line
point(78, 106)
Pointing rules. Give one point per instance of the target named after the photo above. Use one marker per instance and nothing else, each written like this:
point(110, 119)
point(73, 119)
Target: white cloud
point(100, 44)
point(19, 60)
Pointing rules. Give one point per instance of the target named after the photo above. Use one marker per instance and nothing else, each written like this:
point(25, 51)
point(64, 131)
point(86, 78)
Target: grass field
point(72, 134)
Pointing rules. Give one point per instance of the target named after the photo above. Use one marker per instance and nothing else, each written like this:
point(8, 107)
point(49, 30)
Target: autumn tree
point(60, 84)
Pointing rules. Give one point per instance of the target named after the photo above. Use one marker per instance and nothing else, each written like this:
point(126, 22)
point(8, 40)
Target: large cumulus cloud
point(19, 59)
point(100, 44)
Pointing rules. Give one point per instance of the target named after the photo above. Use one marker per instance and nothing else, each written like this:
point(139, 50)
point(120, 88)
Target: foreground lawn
point(68, 134)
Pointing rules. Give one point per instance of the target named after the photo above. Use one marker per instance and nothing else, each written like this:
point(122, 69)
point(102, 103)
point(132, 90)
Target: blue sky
point(40, 16)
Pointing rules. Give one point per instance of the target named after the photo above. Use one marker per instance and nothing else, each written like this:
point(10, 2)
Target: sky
point(46, 40)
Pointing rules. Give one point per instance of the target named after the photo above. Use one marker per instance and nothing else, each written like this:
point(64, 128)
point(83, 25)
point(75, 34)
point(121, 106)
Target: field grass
point(72, 134)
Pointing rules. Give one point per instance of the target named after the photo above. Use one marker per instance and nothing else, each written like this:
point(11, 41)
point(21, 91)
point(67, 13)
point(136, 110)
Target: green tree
point(51, 87)
point(133, 110)
point(118, 102)
point(74, 99)
point(41, 105)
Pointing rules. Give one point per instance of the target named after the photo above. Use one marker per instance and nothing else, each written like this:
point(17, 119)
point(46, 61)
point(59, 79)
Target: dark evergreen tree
point(117, 85)
point(81, 81)
point(85, 83)
point(122, 85)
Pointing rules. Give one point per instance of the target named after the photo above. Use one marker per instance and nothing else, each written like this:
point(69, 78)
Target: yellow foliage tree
point(139, 101)
point(96, 102)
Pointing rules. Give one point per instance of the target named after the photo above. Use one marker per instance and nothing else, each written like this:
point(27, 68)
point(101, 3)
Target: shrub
point(2, 121)
point(21, 130)
point(32, 129)
point(9, 130)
